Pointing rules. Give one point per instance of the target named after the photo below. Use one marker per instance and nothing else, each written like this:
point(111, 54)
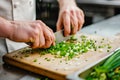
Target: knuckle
point(36, 32)
point(82, 21)
point(41, 45)
point(81, 11)
point(65, 12)
point(48, 38)
point(38, 21)
point(67, 32)
point(66, 23)
point(57, 24)
point(72, 11)
point(34, 46)
point(35, 26)
point(74, 32)
point(47, 46)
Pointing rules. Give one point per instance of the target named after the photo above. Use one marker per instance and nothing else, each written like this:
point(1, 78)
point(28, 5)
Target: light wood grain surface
point(59, 68)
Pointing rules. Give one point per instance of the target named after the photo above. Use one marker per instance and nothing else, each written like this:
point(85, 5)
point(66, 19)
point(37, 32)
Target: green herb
point(103, 39)
point(47, 59)
point(26, 55)
point(73, 37)
point(35, 60)
point(108, 50)
point(109, 47)
point(101, 46)
point(70, 48)
point(46, 79)
point(60, 61)
point(38, 79)
point(106, 71)
point(43, 78)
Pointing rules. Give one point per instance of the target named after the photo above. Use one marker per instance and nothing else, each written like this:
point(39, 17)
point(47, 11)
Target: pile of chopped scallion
point(70, 48)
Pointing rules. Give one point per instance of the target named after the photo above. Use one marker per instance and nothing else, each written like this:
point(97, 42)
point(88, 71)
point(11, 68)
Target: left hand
point(71, 18)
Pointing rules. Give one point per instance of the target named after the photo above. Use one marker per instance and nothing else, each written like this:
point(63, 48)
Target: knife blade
point(60, 36)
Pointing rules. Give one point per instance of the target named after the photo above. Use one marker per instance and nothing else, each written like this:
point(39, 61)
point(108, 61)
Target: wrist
point(63, 3)
point(9, 30)
point(12, 28)
point(5, 28)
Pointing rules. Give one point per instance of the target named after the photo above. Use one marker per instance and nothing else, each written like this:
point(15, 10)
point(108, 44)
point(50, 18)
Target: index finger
point(66, 23)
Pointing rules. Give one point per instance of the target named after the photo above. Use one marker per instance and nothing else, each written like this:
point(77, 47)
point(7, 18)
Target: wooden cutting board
point(59, 68)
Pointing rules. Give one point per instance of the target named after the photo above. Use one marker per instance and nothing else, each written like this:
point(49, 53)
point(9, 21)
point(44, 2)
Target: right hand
point(36, 32)
point(71, 17)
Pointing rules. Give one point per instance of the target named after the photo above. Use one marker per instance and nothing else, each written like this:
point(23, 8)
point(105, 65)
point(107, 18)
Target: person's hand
point(71, 18)
point(36, 32)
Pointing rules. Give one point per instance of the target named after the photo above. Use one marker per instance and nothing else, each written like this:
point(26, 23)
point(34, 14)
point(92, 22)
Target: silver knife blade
point(60, 36)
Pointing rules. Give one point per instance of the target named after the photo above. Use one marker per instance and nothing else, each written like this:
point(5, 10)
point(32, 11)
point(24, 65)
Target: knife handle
point(29, 43)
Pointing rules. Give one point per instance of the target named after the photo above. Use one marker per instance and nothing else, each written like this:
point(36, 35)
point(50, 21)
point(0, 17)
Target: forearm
point(63, 3)
point(5, 28)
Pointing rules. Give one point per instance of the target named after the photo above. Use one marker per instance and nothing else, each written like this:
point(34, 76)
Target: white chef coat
point(15, 10)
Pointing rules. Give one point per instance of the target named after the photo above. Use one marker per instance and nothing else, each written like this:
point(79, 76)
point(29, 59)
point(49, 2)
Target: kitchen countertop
point(111, 3)
point(109, 27)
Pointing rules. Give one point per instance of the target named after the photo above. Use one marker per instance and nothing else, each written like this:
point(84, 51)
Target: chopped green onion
point(35, 60)
point(71, 48)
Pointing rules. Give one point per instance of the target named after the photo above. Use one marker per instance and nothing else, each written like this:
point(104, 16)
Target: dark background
point(47, 11)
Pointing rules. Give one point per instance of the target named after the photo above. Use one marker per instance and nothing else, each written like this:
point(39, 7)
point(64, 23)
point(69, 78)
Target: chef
point(18, 24)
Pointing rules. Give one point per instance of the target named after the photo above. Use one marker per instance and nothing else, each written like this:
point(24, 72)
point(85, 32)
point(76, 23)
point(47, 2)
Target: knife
point(60, 36)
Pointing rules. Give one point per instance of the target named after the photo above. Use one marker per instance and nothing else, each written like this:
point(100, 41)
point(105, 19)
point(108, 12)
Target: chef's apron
point(15, 10)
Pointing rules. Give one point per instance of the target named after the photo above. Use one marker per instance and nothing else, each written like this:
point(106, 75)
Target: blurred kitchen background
point(95, 10)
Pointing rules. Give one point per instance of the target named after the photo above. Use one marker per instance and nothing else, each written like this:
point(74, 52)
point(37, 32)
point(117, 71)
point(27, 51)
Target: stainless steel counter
point(114, 3)
point(111, 3)
point(109, 27)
